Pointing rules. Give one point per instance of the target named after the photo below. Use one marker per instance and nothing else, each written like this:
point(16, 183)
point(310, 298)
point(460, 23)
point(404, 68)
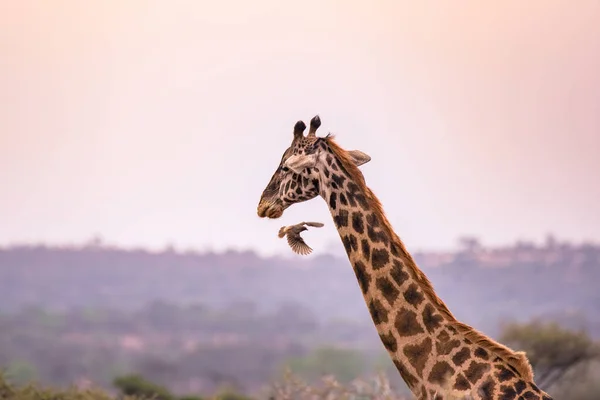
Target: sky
point(160, 122)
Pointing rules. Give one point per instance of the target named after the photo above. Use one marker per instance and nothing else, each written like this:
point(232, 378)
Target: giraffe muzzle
point(269, 210)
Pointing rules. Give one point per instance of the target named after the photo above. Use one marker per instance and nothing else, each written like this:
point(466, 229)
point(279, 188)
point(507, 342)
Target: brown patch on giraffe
point(362, 276)
point(413, 295)
point(333, 200)
point(461, 356)
point(357, 222)
point(372, 220)
point(487, 390)
point(516, 359)
point(398, 274)
point(366, 249)
point(418, 354)
point(341, 219)
point(410, 380)
point(476, 370)
point(520, 386)
point(350, 243)
point(444, 348)
point(376, 236)
point(443, 336)
point(388, 290)
point(529, 396)
point(481, 353)
point(461, 383)
point(406, 323)
point(389, 341)
point(507, 392)
point(379, 258)
point(343, 199)
point(504, 374)
point(431, 319)
point(379, 313)
point(440, 373)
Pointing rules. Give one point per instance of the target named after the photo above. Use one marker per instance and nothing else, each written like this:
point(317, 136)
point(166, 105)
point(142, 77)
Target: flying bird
point(294, 239)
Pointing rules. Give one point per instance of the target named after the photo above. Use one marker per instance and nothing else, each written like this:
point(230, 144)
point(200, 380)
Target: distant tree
point(20, 372)
point(135, 385)
point(552, 350)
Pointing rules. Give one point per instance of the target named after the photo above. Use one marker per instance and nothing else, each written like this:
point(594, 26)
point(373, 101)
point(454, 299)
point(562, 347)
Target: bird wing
point(298, 245)
point(315, 224)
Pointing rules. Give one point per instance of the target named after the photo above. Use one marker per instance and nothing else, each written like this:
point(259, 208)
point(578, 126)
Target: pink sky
point(152, 122)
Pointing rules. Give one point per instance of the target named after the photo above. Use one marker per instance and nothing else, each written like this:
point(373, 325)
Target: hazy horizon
point(156, 123)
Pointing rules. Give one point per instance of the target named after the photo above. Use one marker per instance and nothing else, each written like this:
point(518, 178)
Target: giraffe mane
point(517, 359)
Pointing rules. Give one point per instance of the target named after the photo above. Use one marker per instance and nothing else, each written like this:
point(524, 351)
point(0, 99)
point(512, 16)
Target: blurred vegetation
point(565, 361)
point(104, 321)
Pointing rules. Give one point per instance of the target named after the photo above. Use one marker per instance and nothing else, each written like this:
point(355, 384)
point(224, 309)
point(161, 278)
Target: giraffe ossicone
point(437, 356)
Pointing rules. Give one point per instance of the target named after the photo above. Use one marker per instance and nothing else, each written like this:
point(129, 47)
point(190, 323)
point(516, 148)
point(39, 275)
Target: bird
point(294, 239)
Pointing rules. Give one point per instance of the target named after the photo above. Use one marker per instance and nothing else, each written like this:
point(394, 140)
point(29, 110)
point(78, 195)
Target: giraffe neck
point(434, 353)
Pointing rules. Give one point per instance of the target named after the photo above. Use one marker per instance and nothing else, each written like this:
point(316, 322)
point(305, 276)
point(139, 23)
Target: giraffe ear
point(299, 162)
point(358, 157)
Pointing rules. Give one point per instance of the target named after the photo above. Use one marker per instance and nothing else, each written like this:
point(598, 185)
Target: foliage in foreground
point(137, 388)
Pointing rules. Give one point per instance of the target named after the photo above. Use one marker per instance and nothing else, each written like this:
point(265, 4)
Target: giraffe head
point(298, 176)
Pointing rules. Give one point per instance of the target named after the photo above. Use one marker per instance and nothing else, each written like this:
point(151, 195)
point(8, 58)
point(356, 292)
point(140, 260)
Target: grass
point(290, 387)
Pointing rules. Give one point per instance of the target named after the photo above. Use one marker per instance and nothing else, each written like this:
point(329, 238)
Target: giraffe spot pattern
point(443, 336)
point(398, 274)
point(372, 220)
point(503, 374)
point(375, 236)
point(530, 396)
point(520, 386)
point(481, 353)
point(488, 389)
point(389, 342)
point(350, 243)
point(418, 354)
point(507, 393)
point(315, 183)
point(341, 219)
point(406, 323)
point(379, 258)
point(431, 319)
point(343, 199)
point(413, 295)
point(363, 277)
point(337, 179)
point(476, 371)
point(378, 312)
point(357, 222)
point(388, 290)
point(444, 348)
point(333, 201)
point(366, 248)
point(440, 372)
point(461, 356)
point(461, 383)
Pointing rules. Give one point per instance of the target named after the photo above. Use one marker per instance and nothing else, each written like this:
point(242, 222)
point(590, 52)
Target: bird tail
point(281, 232)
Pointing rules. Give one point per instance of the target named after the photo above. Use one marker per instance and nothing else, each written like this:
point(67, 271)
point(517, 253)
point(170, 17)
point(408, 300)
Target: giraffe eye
point(285, 169)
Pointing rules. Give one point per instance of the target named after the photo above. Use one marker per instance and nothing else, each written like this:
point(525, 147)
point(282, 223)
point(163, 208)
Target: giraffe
point(436, 355)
